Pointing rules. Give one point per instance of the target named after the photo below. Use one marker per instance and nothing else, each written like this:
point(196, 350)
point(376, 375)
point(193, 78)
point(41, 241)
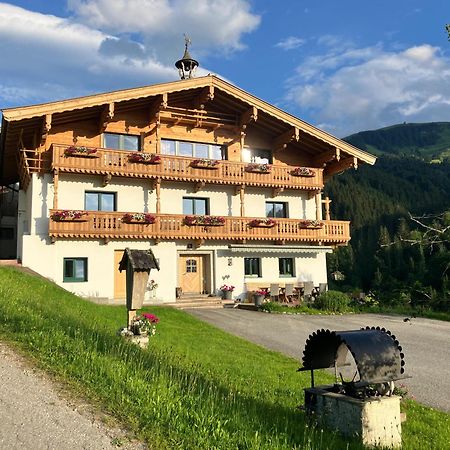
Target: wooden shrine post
point(137, 264)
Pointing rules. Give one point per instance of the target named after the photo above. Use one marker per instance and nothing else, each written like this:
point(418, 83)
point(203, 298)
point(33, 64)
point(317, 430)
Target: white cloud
point(290, 43)
point(110, 45)
point(210, 24)
point(365, 88)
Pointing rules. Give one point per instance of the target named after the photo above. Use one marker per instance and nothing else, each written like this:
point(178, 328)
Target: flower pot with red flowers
point(312, 224)
point(258, 168)
point(262, 223)
point(205, 221)
point(227, 291)
point(144, 218)
point(68, 215)
point(303, 172)
point(82, 151)
point(144, 158)
point(205, 164)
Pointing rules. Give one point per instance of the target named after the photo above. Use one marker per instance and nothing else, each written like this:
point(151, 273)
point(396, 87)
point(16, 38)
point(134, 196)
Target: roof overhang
point(30, 118)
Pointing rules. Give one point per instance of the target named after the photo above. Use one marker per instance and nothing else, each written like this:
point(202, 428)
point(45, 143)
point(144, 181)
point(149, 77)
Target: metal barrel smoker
point(363, 405)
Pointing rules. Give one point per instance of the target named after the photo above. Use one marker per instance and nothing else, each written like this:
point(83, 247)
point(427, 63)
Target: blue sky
point(344, 66)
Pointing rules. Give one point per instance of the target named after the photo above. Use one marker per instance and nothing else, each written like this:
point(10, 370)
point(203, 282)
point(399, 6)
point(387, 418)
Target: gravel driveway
point(33, 416)
point(425, 342)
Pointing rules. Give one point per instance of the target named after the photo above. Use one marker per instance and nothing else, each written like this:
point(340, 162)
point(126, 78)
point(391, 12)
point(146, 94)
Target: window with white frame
point(192, 149)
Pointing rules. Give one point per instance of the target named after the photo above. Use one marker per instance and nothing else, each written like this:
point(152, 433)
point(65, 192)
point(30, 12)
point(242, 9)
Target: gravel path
point(34, 416)
point(425, 342)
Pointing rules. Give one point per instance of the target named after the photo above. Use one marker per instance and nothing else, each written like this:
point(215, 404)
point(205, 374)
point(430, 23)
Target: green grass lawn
point(195, 387)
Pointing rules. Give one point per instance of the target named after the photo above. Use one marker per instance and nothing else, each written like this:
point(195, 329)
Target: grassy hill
point(430, 141)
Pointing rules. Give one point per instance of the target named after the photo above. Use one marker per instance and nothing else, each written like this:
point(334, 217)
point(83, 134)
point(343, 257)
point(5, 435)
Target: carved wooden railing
point(178, 168)
point(171, 226)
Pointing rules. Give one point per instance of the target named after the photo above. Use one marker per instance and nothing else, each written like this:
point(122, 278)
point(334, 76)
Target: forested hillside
point(389, 253)
point(429, 141)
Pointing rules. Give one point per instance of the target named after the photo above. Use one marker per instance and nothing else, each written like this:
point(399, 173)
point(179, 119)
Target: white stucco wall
point(227, 267)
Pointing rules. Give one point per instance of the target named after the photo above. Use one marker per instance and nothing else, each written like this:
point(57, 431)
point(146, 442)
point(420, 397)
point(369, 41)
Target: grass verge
point(196, 386)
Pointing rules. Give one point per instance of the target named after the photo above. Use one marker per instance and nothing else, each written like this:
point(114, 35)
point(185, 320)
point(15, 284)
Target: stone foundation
point(376, 421)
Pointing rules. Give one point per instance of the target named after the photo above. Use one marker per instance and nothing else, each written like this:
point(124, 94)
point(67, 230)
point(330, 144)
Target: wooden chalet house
point(224, 187)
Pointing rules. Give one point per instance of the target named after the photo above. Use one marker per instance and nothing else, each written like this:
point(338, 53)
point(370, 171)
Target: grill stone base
point(376, 422)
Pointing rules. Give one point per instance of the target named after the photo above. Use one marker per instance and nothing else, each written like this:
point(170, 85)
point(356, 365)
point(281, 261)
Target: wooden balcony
point(109, 225)
point(178, 168)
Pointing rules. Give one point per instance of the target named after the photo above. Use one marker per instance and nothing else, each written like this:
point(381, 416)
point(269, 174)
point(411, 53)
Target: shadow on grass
point(163, 397)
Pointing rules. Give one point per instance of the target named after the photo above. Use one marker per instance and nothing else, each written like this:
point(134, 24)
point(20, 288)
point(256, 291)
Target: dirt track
point(34, 416)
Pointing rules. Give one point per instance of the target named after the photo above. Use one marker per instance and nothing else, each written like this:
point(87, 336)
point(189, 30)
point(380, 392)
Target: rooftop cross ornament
point(186, 65)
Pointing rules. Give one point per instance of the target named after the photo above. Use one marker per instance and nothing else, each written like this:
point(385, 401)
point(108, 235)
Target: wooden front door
point(191, 272)
point(120, 278)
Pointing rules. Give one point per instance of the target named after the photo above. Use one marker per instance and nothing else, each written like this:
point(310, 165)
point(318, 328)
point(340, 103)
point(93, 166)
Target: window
point(252, 267)
point(257, 156)
point(191, 266)
point(276, 209)
point(121, 141)
point(100, 201)
point(75, 269)
point(197, 206)
point(192, 149)
point(286, 267)
point(6, 233)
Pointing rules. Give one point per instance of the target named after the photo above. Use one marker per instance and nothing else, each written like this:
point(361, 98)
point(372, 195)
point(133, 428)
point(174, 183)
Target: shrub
point(334, 301)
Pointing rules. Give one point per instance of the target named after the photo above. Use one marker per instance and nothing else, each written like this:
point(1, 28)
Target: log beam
point(206, 95)
point(282, 141)
point(46, 127)
point(341, 165)
point(251, 115)
point(326, 157)
point(106, 116)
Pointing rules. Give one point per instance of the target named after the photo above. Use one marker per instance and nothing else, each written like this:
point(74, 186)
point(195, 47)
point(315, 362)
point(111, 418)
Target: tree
point(447, 27)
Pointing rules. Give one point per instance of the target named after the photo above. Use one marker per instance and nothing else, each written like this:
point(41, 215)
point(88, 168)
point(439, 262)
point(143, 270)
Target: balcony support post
point(318, 199)
point(326, 204)
point(55, 188)
point(241, 191)
point(158, 195)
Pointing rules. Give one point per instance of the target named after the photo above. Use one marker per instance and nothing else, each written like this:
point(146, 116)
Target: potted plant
point(141, 329)
point(227, 291)
point(74, 150)
point(262, 223)
point(138, 218)
point(205, 163)
point(314, 224)
point(68, 215)
point(259, 296)
point(144, 158)
point(303, 172)
point(258, 168)
point(206, 221)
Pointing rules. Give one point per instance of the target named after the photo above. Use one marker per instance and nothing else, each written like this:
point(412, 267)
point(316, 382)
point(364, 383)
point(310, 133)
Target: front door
point(120, 278)
point(191, 270)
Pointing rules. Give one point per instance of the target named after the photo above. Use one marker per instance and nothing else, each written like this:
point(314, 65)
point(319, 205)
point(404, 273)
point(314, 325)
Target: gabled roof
point(17, 121)
point(140, 260)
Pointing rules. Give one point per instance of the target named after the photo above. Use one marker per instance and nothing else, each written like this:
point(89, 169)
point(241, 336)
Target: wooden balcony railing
point(171, 226)
point(178, 168)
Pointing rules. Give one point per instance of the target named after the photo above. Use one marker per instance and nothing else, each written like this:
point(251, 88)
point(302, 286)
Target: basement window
point(75, 270)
